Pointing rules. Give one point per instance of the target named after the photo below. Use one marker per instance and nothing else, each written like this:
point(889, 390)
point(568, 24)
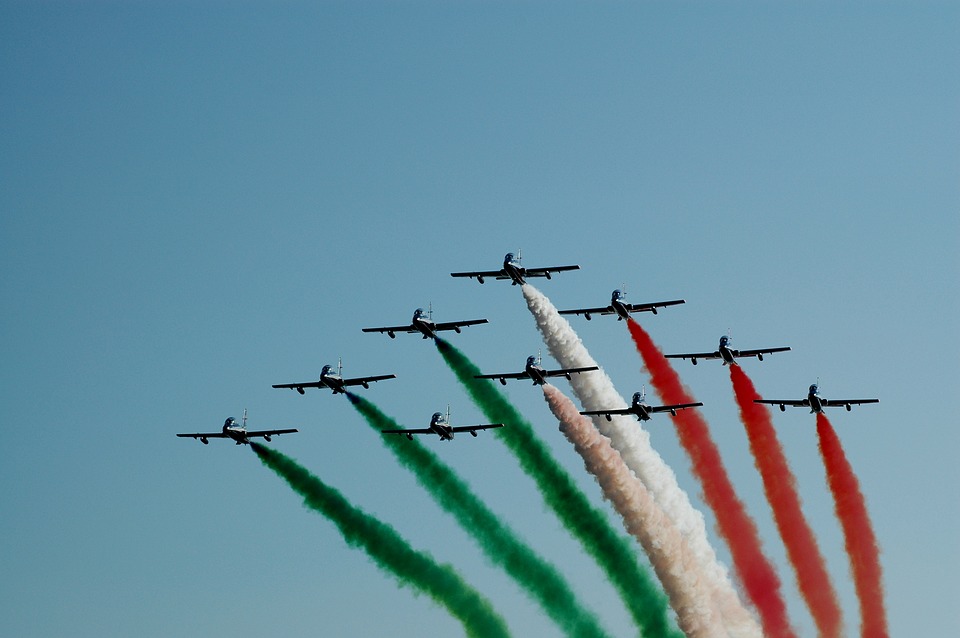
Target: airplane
point(815, 402)
point(621, 309)
point(640, 409)
point(236, 432)
point(514, 271)
point(726, 353)
point(533, 370)
point(334, 381)
point(424, 324)
point(440, 426)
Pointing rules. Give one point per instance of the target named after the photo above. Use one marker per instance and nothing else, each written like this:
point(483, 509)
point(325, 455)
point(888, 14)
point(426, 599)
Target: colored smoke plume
point(780, 487)
point(672, 560)
point(858, 535)
point(499, 543)
point(735, 526)
point(596, 392)
point(390, 551)
point(587, 524)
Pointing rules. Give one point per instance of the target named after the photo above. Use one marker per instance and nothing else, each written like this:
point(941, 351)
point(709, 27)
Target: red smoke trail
point(781, 490)
point(860, 541)
point(757, 574)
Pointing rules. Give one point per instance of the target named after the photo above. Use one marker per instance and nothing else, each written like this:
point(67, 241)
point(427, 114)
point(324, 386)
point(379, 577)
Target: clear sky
point(198, 200)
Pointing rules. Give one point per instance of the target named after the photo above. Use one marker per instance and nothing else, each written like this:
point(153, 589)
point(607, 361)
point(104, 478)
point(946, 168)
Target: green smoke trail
point(500, 543)
point(615, 554)
point(389, 550)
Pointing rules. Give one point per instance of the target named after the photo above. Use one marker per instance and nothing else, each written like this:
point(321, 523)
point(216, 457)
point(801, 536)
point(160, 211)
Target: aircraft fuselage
point(334, 382)
point(425, 326)
point(515, 272)
point(535, 372)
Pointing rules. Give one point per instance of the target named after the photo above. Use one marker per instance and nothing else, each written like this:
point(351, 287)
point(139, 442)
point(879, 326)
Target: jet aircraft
point(726, 353)
point(640, 409)
point(513, 270)
point(236, 432)
point(620, 308)
point(424, 324)
point(440, 425)
point(533, 370)
point(334, 381)
point(815, 402)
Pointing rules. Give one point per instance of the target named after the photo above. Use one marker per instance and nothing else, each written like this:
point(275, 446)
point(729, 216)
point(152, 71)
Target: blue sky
point(202, 199)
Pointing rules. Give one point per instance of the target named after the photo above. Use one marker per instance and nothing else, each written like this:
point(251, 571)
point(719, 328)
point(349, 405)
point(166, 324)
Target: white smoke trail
point(677, 568)
point(596, 392)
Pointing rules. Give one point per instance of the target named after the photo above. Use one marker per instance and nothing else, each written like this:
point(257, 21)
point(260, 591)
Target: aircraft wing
point(651, 307)
point(669, 408)
point(294, 386)
point(797, 403)
point(545, 272)
point(408, 328)
point(836, 403)
point(757, 353)
point(411, 431)
point(695, 355)
point(365, 380)
point(506, 375)
point(480, 274)
point(455, 325)
point(606, 310)
point(595, 412)
point(474, 428)
point(266, 433)
point(560, 373)
point(205, 435)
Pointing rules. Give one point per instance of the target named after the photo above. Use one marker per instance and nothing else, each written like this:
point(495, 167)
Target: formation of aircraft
point(725, 352)
point(620, 308)
point(335, 381)
point(533, 370)
point(641, 409)
point(424, 324)
point(440, 425)
point(514, 271)
point(815, 401)
point(236, 432)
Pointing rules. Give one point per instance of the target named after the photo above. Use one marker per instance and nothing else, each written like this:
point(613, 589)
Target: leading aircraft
point(533, 370)
point(236, 432)
point(815, 402)
point(620, 308)
point(641, 409)
point(424, 324)
point(726, 353)
point(514, 271)
point(440, 425)
point(334, 381)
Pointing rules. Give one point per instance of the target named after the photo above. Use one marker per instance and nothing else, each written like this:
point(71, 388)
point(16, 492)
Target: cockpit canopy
point(508, 257)
point(813, 389)
point(531, 360)
point(617, 294)
point(327, 369)
point(230, 422)
point(724, 340)
point(437, 417)
point(419, 312)
point(638, 397)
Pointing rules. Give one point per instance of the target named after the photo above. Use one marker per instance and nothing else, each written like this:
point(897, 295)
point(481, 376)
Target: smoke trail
point(860, 541)
point(780, 487)
point(500, 543)
point(616, 557)
point(595, 391)
point(389, 550)
point(734, 524)
point(674, 563)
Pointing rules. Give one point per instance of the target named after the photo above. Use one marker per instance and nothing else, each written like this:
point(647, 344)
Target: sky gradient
point(199, 200)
